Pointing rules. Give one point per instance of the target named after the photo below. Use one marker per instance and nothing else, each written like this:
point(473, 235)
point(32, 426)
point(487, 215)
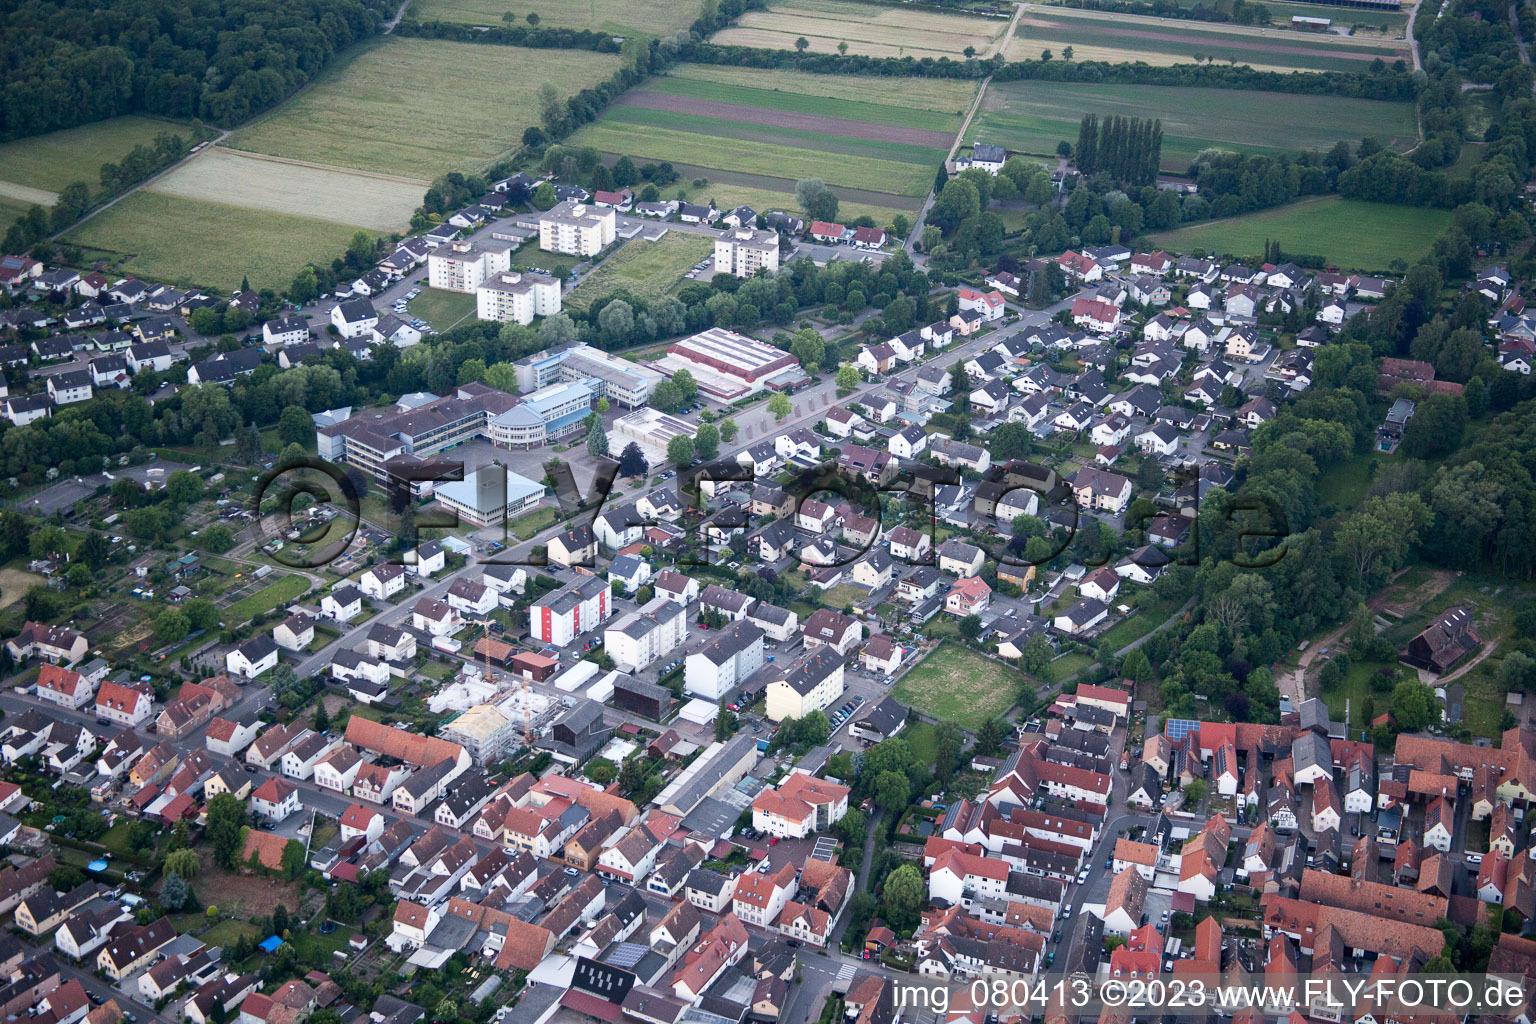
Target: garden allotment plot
point(1032, 117)
point(871, 30)
point(877, 141)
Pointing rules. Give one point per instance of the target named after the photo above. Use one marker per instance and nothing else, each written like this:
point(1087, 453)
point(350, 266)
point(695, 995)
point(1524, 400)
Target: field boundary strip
point(28, 194)
point(315, 165)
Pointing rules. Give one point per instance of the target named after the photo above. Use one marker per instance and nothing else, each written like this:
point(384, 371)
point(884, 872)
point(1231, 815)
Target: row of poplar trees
point(1128, 148)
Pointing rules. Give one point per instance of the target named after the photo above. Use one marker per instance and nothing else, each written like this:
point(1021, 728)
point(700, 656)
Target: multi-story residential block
point(811, 683)
point(724, 661)
point(463, 266)
point(801, 805)
point(517, 297)
point(577, 229)
point(559, 617)
point(642, 637)
point(744, 251)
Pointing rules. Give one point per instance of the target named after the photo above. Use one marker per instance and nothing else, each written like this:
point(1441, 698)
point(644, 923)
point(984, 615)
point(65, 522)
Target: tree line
point(1130, 148)
point(220, 61)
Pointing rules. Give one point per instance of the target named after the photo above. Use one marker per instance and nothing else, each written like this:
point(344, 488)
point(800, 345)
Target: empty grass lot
point(420, 107)
point(272, 596)
point(169, 238)
point(873, 30)
point(621, 17)
point(442, 309)
point(51, 161)
point(1097, 35)
point(647, 270)
point(1355, 235)
point(370, 201)
point(1032, 117)
point(955, 684)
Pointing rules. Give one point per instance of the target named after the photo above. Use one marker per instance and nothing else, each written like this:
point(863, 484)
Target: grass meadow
point(1353, 234)
point(189, 241)
point(1032, 117)
point(418, 108)
point(49, 162)
point(872, 30)
point(955, 684)
point(647, 270)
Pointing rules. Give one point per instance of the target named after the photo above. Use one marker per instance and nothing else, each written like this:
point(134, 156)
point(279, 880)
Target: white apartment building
point(463, 266)
point(521, 297)
point(734, 654)
point(745, 251)
point(645, 636)
point(577, 229)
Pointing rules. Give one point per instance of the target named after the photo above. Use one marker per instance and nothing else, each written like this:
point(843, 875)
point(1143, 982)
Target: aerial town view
point(767, 511)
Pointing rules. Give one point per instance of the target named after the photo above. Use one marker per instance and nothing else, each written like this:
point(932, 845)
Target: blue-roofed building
point(549, 413)
point(490, 495)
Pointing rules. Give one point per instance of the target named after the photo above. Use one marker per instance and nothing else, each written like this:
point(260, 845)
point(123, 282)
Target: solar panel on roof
point(1177, 728)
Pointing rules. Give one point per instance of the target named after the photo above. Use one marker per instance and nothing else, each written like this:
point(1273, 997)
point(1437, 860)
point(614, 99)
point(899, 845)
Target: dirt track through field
point(786, 119)
point(1173, 37)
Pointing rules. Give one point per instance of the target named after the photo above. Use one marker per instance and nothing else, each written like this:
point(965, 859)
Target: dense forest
point(65, 63)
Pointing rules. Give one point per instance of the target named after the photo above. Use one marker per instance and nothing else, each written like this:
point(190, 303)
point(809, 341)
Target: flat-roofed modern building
point(490, 495)
point(618, 380)
point(641, 637)
point(543, 416)
point(462, 266)
point(744, 251)
point(577, 229)
point(726, 365)
point(412, 431)
point(509, 297)
point(652, 428)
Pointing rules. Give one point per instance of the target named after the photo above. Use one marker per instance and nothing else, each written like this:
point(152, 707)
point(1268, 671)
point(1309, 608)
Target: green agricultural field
point(728, 193)
point(419, 107)
point(51, 161)
point(1032, 117)
point(1355, 235)
point(942, 95)
point(867, 110)
point(657, 144)
point(955, 684)
point(275, 595)
point(728, 131)
point(877, 141)
point(169, 238)
point(647, 270)
point(1098, 35)
point(620, 17)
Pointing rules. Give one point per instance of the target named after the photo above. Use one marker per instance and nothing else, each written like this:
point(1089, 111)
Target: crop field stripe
point(848, 111)
point(727, 128)
point(652, 144)
point(943, 95)
point(873, 29)
point(294, 188)
point(1192, 32)
point(620, 17)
